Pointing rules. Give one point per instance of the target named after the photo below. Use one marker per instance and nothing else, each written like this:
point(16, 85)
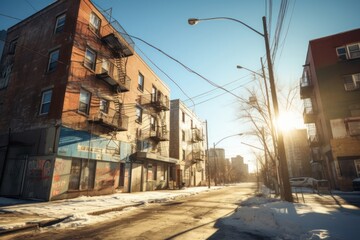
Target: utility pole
point(207, 154)
point(284, 174)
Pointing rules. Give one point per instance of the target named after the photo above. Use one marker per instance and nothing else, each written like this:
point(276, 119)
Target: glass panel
point(60, 22)
point(84, 101)
point(95, 21)
point(90, 59)
point(104, 106)
point(45, 102)
point(141, 82)
point(53, 59)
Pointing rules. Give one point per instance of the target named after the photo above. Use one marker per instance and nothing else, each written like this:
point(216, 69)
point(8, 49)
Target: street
point(194, 217)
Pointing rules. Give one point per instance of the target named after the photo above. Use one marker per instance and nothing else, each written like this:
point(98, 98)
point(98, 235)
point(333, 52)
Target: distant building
point(80, 111)
point(330, 88)
point(239, 169)
point(188, 144)
point(217, 165)
point(297, 153)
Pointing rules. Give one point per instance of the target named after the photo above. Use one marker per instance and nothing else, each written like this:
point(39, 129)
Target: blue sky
point(214, 48)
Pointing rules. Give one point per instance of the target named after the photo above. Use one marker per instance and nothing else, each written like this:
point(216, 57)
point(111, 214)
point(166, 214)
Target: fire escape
point(198, 154)
point(113, 72)
point(157, 105)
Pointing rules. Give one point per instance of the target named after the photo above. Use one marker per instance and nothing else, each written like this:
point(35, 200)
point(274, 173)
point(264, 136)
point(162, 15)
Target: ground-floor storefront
point(79, 163)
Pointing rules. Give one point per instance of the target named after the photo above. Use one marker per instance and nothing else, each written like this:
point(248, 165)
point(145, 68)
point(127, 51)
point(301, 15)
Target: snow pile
point(283, 220)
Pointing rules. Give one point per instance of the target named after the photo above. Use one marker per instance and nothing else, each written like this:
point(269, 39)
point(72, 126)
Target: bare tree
point(256, 111)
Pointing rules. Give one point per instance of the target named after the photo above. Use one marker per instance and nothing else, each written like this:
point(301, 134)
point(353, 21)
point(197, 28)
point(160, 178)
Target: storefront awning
point(154, 157)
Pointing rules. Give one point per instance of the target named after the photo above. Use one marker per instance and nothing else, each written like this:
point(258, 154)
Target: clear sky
point(214, 48)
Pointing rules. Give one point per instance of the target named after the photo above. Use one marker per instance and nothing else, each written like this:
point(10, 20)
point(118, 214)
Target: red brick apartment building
point(80, 111)
point(330, 88)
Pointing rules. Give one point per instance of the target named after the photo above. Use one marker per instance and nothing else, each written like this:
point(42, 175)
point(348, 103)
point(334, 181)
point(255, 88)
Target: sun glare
point(287, 121)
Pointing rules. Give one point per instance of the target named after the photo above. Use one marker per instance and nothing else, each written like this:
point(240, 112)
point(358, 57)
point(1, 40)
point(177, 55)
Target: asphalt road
point(195, 217)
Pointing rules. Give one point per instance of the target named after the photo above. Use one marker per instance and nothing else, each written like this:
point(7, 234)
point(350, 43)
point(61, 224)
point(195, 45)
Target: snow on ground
point(262, 215)
point(77, 211)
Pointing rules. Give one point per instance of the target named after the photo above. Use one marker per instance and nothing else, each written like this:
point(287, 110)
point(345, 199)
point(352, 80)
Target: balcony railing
point(159, 134)
point(115, 121)
point(117, 39)
point(197, 135)
point(309, 115)
point(314, 141)
point(158, 103)
point(306, 88)
point(198, 155)
point(110, 73)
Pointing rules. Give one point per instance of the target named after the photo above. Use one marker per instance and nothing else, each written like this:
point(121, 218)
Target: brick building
point(188, 144)
point(330, 88)
point(80, 111)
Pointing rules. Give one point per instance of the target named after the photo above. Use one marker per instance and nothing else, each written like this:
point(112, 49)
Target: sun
point(287, 121)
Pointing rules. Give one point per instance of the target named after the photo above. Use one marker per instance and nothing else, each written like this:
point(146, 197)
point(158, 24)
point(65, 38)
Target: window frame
point(45, 104)
point(87, 104)
point(141, 81)
point(92, 25)
point(87, 62)
point(350, 52)
point(342, 56)
point(152, 123)
point(52, 63)
point(351, 82)
point(138, 114)
point(12, 45)
point(104, 108)
point(59, 25)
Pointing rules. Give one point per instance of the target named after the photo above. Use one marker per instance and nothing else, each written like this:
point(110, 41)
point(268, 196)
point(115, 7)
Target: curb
point(96, 213)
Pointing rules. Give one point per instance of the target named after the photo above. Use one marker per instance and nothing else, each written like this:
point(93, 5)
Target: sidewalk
point(19, 215)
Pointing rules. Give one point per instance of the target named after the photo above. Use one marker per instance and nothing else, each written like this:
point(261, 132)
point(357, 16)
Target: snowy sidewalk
point(20, 214)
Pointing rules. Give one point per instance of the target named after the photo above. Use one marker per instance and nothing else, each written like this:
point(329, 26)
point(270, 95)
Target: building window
point(141, 82)
point(60, 23)
point(183, 117)
point(341, 52)
point(354, 50)
point(349, 51)
point(12, 46)
point(152, 123)
point(95, 23)
point(90, 59)
point(53, 60)
point(352, 82)
point(104, 105)
point(45, 102)
point(183, 135)
point(183, 155)
point(84, 101)
point(153, 94)
point(138, 114)
point(5, 76)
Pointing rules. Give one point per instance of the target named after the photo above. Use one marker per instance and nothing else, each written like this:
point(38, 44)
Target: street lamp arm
point(193, 21)
point(241, 67)
point(238, 134)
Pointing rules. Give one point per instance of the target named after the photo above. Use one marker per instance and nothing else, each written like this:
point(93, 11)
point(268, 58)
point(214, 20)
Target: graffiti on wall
point(39, 169)
point(107, 174)
point(61, 177)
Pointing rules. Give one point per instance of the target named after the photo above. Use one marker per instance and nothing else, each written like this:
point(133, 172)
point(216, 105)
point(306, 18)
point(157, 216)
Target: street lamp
point(241, 67)
point(286, 189)
point(214, 153)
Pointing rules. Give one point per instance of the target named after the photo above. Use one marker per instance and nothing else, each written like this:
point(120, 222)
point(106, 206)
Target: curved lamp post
point(286, 189)
point(214, 152)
